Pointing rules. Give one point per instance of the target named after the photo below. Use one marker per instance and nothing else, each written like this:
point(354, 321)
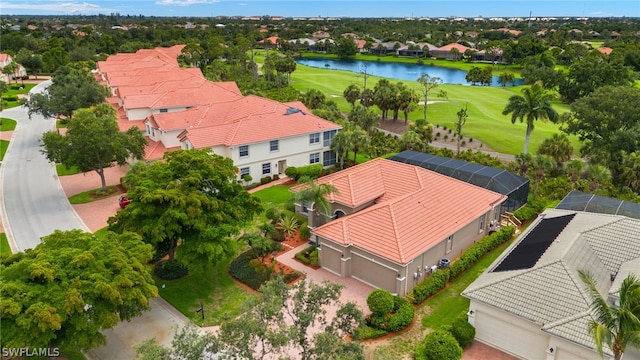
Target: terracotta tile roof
point(461, 48)
point(605, 50)
point(415, 208)
point(155, 150)
point(5, 57)
point(252, 119)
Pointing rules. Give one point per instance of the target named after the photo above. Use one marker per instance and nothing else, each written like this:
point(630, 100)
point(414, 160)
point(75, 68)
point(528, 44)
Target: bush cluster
point(255, 274)
point(305, 233)
point(430, 286)
point(170, 270)
point(265, 179)
point(10, 97)
point(531, 210)
point(463, 332)
point(399, 318)
point(311, 171)
point(380, 302)
point(477, 250)
point(438, 345)
point(308, 256)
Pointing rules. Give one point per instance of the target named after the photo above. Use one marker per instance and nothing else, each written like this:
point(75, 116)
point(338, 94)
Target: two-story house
point(178, 108)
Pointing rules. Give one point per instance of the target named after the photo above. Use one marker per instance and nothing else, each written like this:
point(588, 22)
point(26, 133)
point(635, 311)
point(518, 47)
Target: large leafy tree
point(71, 286)
point(346, 47)
point(615, 325)
point(607, 123)
point(93, 142)
point(192, 199)
point(284, 317)
point(534, 104)
point(71, 89)
point(591, 72)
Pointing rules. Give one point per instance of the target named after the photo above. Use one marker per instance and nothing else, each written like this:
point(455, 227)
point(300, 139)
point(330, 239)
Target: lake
point(399, 71)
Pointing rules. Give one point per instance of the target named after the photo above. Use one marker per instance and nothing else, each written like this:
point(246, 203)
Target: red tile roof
point(605, 50)
point(252, 119)
point(415, 208)
point(461, 48)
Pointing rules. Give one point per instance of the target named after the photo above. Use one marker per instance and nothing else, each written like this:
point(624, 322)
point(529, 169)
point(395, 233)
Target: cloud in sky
point(185, 2)
point(68, 7)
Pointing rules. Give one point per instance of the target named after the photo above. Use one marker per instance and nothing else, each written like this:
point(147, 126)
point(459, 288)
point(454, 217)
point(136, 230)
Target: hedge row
point(430, 286)
point(366, 332)
point(531, 210)
point(477, 250)
point(311, 171)
point(170, 270)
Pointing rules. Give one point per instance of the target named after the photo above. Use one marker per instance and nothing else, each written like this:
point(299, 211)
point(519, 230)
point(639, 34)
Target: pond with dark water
point(392, 70)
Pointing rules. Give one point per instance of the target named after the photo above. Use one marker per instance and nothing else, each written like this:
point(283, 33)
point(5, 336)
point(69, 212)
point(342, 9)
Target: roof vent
point(293, 110)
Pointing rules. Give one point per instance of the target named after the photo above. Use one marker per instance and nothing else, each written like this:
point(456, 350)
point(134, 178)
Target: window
point(266, 168)
point(483, 219)
point(449, 244)
point(327, 137)
point(148, 129)
point(244, 150)
point(164, 110)
point(314, 158)
point(273, 145)
point(244, 171)
point(314, 138)
point(305, 207)
point(329, 158)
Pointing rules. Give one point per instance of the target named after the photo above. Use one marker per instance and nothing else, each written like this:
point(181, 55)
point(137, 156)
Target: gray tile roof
point(551, 293)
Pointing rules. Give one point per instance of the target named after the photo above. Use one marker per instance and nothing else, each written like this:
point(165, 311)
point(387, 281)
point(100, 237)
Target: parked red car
point(123, 201)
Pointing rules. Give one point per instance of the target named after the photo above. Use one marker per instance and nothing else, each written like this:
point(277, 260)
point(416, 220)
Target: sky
point(322, 8)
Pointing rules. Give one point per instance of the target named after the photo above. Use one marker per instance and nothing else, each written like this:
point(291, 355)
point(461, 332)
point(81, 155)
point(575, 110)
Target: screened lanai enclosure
point(580, 201)
point(515, 187)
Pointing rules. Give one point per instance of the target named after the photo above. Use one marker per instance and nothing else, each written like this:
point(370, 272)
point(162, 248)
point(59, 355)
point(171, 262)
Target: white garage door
point(510, 337)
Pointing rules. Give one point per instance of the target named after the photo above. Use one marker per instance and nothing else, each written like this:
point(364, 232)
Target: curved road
point(32, 201)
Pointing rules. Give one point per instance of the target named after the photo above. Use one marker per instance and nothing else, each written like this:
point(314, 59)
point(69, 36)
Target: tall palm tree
point(534, 104)
point(315, 194)
point(615, 325)
point(558, 147)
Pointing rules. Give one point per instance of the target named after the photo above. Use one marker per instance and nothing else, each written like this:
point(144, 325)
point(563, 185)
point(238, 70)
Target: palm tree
point(597, 175)
point(615, 325)
point(630, 174)
point(316, 196)
point(558, 147)
point(534, 105)
point(411, 140)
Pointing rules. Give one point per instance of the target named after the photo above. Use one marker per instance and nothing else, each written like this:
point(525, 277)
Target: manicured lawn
point(7, 124)
point(93, 195)
point(485, 104)
point(4, 145)
point(14, 90)
point(274, 195)
point(62, 170)
point(4, 245)
point(448, 305)
point(222, 297)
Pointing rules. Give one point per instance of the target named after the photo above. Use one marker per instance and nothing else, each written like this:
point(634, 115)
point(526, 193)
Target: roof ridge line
point(395, 231)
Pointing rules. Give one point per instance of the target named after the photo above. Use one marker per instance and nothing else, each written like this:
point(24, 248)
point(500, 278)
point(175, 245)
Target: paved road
point(33, 204)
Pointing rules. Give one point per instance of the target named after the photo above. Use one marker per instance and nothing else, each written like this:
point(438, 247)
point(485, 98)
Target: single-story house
point(448, 52)
point(391, 223)
point(531, 302)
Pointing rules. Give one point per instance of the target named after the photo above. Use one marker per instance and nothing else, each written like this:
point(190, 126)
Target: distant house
point(6, 59)
point(531, 302)
point(270, 42)
point(448, 52)
point(605, 50)
point(177, 108)
point(392, 223)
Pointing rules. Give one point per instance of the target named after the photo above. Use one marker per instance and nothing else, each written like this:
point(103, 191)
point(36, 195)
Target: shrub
point(366, 332)
point(438, 345)
point(402, 316)
point(463, 332)
point(240, 269)
point(265, 179)
point(314, 260)
point(273, 214)
point(276, 176)
point(170, 270)
point(291, 172)
point(308, 256)
point(305, 233)
point(477, 250)
point(248, 178)
point(380, 302)
point(276, 236)
point(430, 286)
point(310, 171)
point(10, 98)
point(531, 210)
point(470, 140)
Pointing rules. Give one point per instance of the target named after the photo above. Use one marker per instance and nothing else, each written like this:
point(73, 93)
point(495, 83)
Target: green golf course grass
point(485, 104)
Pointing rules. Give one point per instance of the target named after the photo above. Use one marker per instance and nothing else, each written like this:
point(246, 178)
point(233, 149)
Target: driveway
point(33, 204)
